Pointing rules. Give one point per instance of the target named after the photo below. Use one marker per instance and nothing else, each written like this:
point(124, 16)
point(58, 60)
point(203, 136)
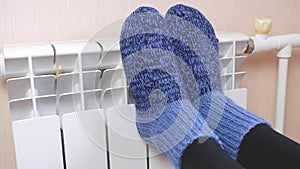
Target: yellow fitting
point(58, 71)
point(263, 26)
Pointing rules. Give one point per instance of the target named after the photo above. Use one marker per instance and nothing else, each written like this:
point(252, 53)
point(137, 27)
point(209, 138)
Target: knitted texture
point(230, 122)
point(166, 119)
point(191, 27)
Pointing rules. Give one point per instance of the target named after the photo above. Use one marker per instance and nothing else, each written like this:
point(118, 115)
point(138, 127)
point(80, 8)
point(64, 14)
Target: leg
point(265, 148)
point(207, 155)
point(229, 121)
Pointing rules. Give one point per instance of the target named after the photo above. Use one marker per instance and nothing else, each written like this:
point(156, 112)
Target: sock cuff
point(229, 121)
point(187, 126)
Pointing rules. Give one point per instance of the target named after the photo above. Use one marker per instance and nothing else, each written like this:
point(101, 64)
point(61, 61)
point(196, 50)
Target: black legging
point(262, 148)
point(207, 155)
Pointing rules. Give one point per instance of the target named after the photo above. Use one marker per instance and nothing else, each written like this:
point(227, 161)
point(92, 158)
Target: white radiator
point(70, 108)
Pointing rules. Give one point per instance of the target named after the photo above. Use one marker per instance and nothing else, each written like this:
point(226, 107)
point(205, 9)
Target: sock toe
point(143, 20)
point(145, 9)
point(196, 18)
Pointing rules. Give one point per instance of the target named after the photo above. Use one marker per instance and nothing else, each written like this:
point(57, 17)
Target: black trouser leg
point(264, 148)
point(207, 155)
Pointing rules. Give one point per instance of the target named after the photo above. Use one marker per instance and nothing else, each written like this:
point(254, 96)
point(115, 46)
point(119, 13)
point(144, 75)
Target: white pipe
point(284, 44)
point(274, 42)
point(283, 55)
point(281, 93)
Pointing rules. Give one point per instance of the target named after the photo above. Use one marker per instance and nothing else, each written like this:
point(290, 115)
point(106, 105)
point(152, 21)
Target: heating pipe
point(261, 42)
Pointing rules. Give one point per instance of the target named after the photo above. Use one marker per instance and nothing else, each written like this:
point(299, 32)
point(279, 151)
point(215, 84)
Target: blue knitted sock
point(166, 120)
point(229, 121)
point(195, 32)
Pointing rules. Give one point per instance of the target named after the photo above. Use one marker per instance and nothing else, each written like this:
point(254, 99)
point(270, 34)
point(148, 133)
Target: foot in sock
point(166, 120)
point(230, 122)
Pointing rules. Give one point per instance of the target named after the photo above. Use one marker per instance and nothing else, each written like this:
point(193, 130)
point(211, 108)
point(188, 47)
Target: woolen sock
point(200, 39)
point(229, 121)
point(166, 120)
